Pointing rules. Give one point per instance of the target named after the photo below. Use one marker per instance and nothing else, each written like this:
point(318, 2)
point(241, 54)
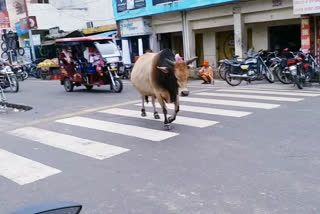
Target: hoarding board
point(305, 34)
point(306, 6)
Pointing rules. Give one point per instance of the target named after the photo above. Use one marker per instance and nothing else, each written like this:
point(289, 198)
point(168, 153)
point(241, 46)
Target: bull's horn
point(191, 60)
point(171, 62)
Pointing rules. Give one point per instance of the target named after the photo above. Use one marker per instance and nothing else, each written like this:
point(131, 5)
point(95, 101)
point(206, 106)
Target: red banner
point(305, 34)
point(4, 19)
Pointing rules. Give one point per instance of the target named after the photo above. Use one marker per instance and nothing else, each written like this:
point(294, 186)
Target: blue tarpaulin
point(19, 31)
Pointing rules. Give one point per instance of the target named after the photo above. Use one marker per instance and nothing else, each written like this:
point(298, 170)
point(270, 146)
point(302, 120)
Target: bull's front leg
point(165, 112)
point(176, 110)
point(155, 113)
point(143, 110)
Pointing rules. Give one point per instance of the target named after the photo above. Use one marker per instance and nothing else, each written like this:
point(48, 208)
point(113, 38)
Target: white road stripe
point(294, 90)
point(22, 170)
point(204, 110)
point(254, 91)
point(69, 143)
point(230, 103)
point(187, 121)
point(288, 99)
point(129, 130)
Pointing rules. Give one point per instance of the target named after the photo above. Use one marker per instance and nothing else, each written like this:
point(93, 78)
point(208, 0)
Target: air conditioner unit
point(89, 24)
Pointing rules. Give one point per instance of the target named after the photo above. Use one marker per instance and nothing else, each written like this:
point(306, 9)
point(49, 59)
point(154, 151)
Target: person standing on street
point(206, 73)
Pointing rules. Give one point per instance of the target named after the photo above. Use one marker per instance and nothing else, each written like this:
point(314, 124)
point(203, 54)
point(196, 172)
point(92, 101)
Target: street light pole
point(33, 53)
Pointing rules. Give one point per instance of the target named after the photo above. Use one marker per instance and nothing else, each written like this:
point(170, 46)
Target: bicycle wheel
point(222, 70)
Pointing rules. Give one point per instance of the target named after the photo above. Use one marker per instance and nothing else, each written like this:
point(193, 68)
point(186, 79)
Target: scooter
point(9, 79)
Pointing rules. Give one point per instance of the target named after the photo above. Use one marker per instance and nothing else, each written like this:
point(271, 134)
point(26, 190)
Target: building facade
point(217, 29)
point(68, 15)
point(310, 25)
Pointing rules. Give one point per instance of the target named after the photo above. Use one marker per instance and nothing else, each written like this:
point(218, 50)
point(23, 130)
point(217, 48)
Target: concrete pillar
point(140, 46)
point(240, 34)
point(154, 43)
point(188, 37)
point(210, 47)
point(125, 51)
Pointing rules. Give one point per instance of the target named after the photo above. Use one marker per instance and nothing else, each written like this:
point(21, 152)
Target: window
point(40, 1)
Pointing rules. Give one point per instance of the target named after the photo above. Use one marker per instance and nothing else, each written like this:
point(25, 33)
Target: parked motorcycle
point(125, 71)
point(300, 72)
point(224, 66)
point(279, 66)
point(32, 70)
point(8, 79)
point(20, 73)
point(253, 68)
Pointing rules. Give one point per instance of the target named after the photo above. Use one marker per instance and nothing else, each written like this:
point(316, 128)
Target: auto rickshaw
point(89, 61)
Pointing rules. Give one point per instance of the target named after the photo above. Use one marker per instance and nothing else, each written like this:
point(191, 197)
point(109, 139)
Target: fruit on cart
point(49, 63)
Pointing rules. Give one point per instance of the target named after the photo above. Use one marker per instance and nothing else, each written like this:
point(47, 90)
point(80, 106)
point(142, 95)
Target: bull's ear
point(191, 60)
point(163, 69)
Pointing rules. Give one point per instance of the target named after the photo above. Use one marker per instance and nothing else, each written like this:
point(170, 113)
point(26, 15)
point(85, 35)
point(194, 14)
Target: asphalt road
point(250, 149)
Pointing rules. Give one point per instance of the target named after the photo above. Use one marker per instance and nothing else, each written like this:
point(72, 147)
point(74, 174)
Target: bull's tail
point(147, 99)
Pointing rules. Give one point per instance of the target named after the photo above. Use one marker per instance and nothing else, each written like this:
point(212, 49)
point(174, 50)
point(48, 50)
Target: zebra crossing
point(243, 102)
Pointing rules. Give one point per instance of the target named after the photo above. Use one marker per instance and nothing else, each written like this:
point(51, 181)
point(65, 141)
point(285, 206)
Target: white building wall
point(69, 15)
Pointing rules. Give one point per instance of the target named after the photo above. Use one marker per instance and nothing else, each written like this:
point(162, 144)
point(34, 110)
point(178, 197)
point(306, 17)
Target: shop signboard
point(305, 34)
point(4, 19)
point(135, 27)
point(36, 38)
point(123, 5)
point(306, 6)
point(29, 23)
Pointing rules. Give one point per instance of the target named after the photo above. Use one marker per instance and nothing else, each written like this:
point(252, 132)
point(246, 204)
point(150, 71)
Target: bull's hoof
point(171, 119)
point(143, 114)
point(184, 93)
point(156, 116)
point(167, 127)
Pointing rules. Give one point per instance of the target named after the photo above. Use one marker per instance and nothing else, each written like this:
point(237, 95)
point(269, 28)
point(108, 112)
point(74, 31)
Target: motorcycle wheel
point(231, 80)
point(89, 87)
point(68, 85)
point(222, 71)
point(297, 81)
point(15, 84)
point(269, 76)
point(118, 86)
point(25, 75)
point(283, 78)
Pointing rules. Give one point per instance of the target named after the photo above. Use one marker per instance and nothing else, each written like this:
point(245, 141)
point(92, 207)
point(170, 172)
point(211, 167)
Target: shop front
point(135, 38)
point(310, 25)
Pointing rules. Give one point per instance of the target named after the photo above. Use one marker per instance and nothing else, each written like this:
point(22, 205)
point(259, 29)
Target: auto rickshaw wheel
point(118, 86)
point(68, 85)
point(89, 87)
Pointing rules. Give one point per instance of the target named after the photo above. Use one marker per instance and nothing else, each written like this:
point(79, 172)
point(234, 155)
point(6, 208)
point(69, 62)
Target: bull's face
point(181, 72)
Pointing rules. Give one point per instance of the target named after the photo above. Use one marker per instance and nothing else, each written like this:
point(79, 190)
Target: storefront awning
point(105, 34)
